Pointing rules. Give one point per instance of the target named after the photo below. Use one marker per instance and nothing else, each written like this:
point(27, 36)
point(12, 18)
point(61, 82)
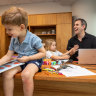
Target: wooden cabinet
point(42, 19)
point(2, 41)
point(63, 34)
point(62, 23)
point(44, 32)
point(64, 18)
point(40, 23)
point(0, 21)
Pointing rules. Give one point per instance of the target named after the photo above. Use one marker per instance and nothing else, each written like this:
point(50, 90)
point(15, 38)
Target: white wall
point(82, 8)
point(40, 8)
point(86, 9)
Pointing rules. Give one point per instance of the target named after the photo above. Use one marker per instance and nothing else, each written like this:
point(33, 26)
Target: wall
point(86, 9)
point(82, 8)
point(40, 8)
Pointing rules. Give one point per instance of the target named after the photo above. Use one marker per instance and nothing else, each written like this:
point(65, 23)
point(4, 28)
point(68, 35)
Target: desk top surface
point(45, 75)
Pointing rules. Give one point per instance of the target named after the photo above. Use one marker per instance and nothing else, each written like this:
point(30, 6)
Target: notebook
point(87, 56)
point(10, 65)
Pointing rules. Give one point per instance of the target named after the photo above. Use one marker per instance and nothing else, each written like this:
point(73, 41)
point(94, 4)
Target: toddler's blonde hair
point(48, 43)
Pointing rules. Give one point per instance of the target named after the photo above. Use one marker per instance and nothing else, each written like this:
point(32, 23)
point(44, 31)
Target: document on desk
point(74, 70)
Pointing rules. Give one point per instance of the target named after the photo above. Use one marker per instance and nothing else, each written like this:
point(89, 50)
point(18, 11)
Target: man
point(81, 39)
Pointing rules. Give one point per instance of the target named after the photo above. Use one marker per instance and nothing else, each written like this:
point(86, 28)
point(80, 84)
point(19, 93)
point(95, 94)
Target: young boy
point(27, 45)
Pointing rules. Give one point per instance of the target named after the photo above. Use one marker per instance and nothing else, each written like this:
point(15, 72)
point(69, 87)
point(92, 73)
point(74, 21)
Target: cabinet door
point(0, 21)
point(63, 34)
point(47, 19)
point(64, 18)
point(2, 41)
point(28, 19)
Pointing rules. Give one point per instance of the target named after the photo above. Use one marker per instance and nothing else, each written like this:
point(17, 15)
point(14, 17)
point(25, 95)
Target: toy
point(48, 69)
point(62, 66)
point(53, 63)
point(50, 62)
point(47, 61)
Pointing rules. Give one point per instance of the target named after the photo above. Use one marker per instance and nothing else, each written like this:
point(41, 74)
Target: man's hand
point(23, 59)
point(74, 49)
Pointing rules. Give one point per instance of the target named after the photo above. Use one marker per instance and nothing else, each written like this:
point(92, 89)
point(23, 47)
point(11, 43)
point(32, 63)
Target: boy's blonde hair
point(48, 43)
point(15, 16)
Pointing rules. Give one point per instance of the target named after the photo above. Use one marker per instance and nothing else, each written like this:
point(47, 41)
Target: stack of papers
point(74, 70)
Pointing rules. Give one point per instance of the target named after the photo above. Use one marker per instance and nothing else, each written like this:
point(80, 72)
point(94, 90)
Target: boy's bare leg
point(8, 81)
point(27, 78)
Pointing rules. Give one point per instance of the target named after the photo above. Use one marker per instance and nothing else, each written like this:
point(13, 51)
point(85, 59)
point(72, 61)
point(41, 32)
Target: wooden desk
point(47, 84)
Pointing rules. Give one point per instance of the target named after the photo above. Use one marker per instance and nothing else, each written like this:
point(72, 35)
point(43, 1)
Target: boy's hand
point(23, 59)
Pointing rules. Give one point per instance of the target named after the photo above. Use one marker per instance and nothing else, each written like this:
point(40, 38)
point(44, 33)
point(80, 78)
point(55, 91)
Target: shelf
point(46, 34)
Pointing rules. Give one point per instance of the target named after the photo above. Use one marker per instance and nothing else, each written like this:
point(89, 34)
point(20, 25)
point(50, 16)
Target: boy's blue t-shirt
point(28, 47)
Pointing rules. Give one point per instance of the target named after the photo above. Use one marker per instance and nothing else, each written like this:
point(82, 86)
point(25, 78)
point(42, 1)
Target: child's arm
point(68, 52)
point(7, 57)
point(72, 50)
point(60, 57)
point(39, 55)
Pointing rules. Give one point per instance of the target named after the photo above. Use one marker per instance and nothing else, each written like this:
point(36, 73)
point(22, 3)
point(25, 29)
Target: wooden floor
point(57, 85)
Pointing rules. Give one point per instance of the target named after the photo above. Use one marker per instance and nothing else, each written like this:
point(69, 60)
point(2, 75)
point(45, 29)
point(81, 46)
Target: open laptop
point(87, 56)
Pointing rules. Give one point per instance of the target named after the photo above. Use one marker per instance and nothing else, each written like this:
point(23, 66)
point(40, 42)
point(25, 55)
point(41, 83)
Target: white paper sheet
point(74, 70)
